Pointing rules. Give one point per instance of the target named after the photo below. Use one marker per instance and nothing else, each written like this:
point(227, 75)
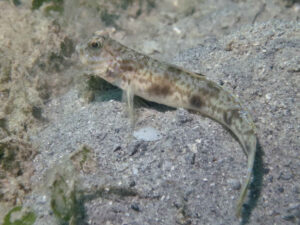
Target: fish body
point(163, 83)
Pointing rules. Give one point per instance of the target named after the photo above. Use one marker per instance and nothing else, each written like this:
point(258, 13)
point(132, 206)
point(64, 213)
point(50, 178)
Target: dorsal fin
point(195, 74)
point(199, 74)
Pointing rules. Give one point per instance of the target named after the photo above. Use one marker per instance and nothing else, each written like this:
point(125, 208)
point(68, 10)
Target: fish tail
point(251, 157)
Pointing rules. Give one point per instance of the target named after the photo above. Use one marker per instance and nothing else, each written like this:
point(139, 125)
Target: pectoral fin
point(129, 97)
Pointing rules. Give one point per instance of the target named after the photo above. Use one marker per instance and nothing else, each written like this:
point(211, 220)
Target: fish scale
point(163, 83)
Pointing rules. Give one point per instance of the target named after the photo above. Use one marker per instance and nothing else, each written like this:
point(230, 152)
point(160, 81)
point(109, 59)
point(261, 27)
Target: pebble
point(268, 96)
point(294, 207)
point(296, 189)
point(137, 146)
point(234, 184)
point(280, 189)
point(116, 148)
point(182, 116)
point(147, 134)
point(132, 184)
point(288, 217)
point(287, 175)
point(135, 207)
point(191, 158)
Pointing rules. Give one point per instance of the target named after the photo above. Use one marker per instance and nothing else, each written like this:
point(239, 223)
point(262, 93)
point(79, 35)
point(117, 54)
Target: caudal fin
point(243, 195)
point(251, 157)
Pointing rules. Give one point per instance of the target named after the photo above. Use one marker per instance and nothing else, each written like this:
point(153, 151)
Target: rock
point(147, 134)
point(287, 175)
point(135, 207)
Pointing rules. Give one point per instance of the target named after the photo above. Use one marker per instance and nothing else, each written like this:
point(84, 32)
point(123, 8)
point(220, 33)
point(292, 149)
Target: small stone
point(268, 96)
point(234, 184)
point(116, 148)
point(280, 189)
point(270, 179)
point(190, 158)
point(177, 30)
point(286, 175)
point(266, 170)
point(294, 207)
point(137, 146)
point(182, 116)
point(135, 207)
point(147, 134)
point(296, 189)
point(42, 199)
point(289, 217)
point(193, 157)
point(135, 171)
point(132, 184)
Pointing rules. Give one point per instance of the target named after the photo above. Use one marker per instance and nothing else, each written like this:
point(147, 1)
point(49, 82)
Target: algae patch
point(27, 217)
point(66, 201)
point(67, 194)
point(83, 160)
point(15, 169)
point(52, 5)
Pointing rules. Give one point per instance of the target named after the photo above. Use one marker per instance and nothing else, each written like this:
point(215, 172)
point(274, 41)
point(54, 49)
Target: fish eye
point(95, 44)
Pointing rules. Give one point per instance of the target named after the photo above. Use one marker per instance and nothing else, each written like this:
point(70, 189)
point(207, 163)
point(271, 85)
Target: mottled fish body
point(163, 83)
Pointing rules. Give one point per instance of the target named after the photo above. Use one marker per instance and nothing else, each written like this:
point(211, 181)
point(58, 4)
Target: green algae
point(83, 160)
point(28, 218)
point(68, 198)
point(7, 157)
point(54, 5)
point(66, 202)
point(81, 156)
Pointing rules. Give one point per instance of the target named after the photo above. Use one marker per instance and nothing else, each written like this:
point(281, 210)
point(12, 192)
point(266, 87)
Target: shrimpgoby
point(163, 83)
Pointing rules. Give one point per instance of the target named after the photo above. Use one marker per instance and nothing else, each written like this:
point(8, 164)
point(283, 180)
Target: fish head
point(98, 57)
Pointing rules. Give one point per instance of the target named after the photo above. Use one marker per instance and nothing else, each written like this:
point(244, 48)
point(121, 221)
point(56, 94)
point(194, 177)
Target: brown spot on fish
point(203, 91)
point(126, 67)
point(172, 72)
point(229, 115)
point(213, 88)
point(173, 69)
point(160, 89)
point(196, 101)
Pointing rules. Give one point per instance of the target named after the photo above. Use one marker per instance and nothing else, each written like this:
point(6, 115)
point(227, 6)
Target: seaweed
point(7, 157)
point(68, 198)
point(27, 219)
point(83, 161)
point(54, 5)
point(67, 47)
point(15, 168)
point(66, 202)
